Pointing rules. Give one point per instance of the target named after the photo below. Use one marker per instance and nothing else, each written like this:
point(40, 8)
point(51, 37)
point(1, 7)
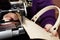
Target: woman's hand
point(10, 16)
point(48, 27)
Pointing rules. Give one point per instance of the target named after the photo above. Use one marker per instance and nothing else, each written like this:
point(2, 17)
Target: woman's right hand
point(10, 16)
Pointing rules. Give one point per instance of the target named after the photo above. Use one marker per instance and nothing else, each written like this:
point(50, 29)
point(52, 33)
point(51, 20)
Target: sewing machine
point(20, 8)
point(33, 30)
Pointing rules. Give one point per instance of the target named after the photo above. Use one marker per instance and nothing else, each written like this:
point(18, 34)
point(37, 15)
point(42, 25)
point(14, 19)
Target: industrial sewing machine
point(33, 30)
point(10, 30)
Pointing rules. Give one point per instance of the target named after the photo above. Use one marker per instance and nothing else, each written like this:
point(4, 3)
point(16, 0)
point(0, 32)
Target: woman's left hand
point(48, 27)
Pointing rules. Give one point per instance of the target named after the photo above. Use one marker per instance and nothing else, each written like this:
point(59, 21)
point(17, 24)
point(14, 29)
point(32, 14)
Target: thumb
point(47, 27)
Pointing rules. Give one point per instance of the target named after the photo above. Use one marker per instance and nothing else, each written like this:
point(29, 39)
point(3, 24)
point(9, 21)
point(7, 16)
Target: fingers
point(55, 33)
point(10, 16)
point(48, 27)
point(7, 18)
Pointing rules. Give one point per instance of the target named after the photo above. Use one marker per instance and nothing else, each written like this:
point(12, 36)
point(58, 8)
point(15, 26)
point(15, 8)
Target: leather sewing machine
point(33, 30)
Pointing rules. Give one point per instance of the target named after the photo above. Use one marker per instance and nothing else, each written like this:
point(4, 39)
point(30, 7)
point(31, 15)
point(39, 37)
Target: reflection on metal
point(27, 2)
point(11, 33)
point(21, 5)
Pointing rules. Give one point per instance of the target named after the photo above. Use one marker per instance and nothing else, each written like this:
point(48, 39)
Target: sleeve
point(49, 16)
